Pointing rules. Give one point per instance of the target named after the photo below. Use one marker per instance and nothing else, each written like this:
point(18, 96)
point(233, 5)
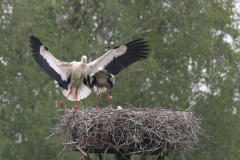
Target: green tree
point(189, 59)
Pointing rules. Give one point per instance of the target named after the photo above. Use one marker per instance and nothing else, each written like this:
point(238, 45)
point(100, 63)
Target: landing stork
point(72, 76)
point(101, 81)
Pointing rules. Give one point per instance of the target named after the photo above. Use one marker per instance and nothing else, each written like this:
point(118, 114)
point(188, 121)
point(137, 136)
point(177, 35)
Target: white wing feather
point(106, 58)
point(62, 68)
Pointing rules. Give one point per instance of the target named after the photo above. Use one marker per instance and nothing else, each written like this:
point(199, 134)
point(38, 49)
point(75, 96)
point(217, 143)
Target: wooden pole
point(99, 156)
point(160, 157)
point(143, 156)
point(87, 157)
point(119, 156)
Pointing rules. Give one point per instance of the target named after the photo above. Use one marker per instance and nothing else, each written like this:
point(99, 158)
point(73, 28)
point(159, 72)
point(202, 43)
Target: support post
point(160, 157)
point(143, 156)
point(87, 157)
point(99, 156)
point(119, 156)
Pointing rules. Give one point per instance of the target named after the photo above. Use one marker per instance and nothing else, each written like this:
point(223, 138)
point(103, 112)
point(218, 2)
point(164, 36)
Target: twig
point(193, 104)
point(50, 135)
point(81, 150)
point(62, 152)
point(69, 143)
point(106, 153)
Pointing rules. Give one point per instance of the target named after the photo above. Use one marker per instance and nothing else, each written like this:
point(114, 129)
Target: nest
point(133, 131)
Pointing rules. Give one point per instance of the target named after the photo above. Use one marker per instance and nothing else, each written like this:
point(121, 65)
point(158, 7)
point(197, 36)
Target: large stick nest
point(148, 131)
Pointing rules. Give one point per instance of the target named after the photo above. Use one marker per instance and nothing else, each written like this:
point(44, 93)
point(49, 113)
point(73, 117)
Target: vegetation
point(190, 60)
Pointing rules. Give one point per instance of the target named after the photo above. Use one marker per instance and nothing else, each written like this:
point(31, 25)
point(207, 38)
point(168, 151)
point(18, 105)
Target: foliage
point(189, 60)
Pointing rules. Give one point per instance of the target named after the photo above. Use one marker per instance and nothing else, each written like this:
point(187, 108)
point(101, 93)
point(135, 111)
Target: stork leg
point(76, 98)
point(108, 99)
point(65, 98)
point(97, 97)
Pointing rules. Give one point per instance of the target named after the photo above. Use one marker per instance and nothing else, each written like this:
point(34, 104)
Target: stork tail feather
point(82, 92)
point(101, 89)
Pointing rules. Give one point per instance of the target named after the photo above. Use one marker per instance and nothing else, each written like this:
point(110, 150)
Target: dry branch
point(129, 131)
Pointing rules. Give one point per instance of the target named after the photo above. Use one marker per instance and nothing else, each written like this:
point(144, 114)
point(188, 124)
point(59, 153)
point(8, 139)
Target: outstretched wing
point(121, 57)
point(60, 71)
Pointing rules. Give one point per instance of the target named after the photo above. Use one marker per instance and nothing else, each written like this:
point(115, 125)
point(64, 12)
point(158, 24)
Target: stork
point(101, 81)
point(72, 77)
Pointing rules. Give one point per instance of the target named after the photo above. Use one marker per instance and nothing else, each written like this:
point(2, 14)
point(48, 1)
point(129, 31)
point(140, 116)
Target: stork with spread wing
point(72, 76)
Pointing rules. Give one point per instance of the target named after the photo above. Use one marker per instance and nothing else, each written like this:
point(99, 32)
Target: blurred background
point(194, 59)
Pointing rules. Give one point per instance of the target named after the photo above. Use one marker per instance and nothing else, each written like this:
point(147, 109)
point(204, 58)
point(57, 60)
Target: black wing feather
point(35, 45)
point(111, 81)
point(85, 81)
point(92, 81)
point(88, 79)
point(65, 83)
point(136, 50)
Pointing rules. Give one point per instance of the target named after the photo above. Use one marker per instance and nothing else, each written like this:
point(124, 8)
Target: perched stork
point(101, 81)
point(72, 77)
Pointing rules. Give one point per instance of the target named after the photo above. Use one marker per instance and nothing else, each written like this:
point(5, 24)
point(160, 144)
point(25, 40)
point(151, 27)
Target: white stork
point(72, 77)
point(101, 81)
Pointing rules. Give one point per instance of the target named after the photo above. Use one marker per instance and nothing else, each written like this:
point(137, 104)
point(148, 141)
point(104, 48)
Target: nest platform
point(148, 131)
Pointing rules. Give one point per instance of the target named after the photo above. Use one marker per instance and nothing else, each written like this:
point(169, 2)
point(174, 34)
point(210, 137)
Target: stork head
point(84, 59)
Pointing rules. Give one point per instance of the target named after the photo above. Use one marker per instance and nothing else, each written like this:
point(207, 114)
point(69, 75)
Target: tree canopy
point(191, 61)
